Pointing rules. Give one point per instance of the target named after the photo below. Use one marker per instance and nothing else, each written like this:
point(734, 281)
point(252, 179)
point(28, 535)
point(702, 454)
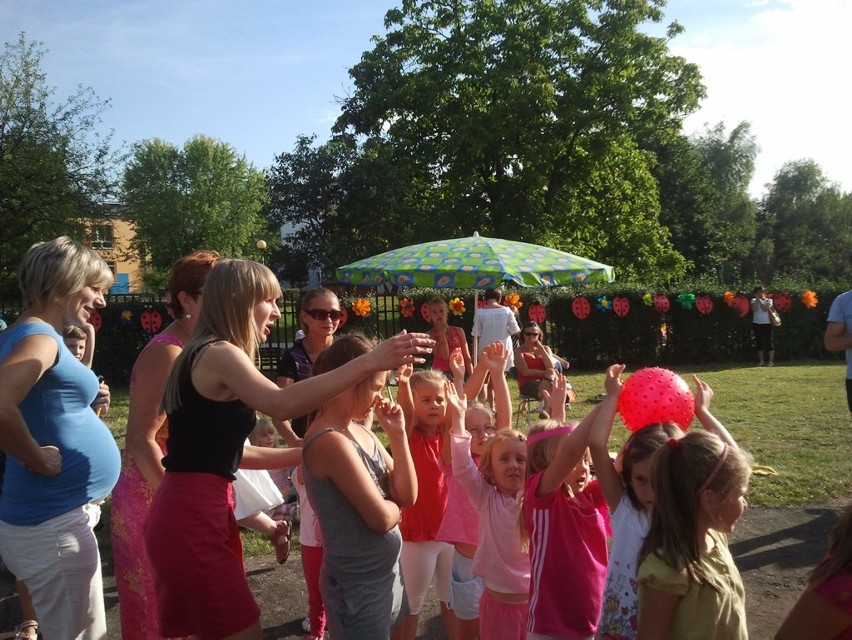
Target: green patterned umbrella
point(474, 263)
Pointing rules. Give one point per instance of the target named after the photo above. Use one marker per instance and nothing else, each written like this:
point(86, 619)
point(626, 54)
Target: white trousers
point(59, 562)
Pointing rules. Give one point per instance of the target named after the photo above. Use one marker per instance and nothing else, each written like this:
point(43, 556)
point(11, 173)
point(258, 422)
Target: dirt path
point(774, 549)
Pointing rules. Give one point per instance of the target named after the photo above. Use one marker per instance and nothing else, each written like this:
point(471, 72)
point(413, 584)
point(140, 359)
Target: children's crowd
point(535, 535)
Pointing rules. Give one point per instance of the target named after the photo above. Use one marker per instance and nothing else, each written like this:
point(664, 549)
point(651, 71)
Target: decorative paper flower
point(406, 308)
point(604, 304)
point(362, 307)
point(686, 300)
point(126, 317)
point(648, 299)
point(729, 298)
point(457, 306)
point(513, 300)
point(809, 299)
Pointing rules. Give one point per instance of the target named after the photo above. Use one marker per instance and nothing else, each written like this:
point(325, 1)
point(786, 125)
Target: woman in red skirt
point(213, 390)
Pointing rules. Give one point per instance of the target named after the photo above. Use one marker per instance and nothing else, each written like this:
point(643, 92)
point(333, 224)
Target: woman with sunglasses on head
point(319, 318)
point(537, 366)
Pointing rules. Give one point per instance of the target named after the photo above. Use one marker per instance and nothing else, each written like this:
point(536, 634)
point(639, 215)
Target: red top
point(421, 522)
point(533, 362)
point(454, 341)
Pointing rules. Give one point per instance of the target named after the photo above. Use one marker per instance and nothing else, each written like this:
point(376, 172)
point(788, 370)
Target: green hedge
point(643, 336)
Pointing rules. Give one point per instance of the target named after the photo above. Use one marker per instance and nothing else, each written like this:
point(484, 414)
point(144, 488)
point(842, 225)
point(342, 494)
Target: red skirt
point(194, 547)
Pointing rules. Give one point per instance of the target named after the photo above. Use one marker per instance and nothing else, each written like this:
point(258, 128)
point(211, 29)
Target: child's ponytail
point(682, 470)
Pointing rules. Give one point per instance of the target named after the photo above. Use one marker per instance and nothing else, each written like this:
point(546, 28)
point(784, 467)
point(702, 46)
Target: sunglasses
point(324, 314)
point(531, 333)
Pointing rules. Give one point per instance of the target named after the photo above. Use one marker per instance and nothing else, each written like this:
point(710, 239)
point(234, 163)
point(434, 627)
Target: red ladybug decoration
point(424, 311)
point(704, 304)
point(661, 303)
point(151, 320)
point(581, 307)
point(95, 320)
point(742, 305)
point(782, 302)
point(621, 306)
point(536, 312)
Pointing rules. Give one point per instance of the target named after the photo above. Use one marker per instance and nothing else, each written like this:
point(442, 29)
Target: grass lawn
point(792, 418)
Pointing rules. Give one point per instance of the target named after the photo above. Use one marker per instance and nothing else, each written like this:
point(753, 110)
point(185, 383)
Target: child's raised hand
point(456, 407)
point(403, 373)
point(457, 364)
point(390, 417)
point(612, 379)
point(496, 356)
point(703, 394)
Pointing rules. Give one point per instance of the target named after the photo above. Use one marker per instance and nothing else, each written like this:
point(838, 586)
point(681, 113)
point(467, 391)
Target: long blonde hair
point(231, 291)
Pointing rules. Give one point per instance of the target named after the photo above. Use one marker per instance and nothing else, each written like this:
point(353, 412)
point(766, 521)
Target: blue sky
point(257, 74)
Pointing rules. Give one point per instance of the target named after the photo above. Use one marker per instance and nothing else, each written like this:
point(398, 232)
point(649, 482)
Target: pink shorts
point(194, 546)
point(502, 620)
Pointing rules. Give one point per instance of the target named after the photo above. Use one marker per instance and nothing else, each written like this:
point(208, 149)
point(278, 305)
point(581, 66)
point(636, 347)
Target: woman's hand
point(390, 417)
point(403, 348)
point(102, 400)
point(50, 464)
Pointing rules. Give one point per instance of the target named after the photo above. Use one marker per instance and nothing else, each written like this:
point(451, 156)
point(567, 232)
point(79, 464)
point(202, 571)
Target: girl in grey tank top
point(356, 490)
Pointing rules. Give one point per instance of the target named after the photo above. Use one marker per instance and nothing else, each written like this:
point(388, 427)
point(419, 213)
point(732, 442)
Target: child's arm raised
point(403, 395)
point(571, 449)
point(468, 366)
point(497, 355)
point(474, 383)
point(454, 418)
point(608, 477)
point(457, 368)
point(703, 395)
point(403, 478)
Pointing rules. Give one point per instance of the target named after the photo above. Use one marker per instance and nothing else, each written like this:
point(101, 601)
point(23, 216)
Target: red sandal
point(281, 541)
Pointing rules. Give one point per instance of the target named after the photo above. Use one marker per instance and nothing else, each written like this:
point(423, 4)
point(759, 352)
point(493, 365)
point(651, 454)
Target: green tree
point(204, 196)
point(55, 170)
point(508, 111)
point(705, 204)
point(806, 226)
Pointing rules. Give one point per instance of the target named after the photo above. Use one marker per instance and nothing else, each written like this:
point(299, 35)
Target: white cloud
point(780, 70)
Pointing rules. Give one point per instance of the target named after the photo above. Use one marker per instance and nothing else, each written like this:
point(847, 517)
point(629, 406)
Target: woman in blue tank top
point(62, 459)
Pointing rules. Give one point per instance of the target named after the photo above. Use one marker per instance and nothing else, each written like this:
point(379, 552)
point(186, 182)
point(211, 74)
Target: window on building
point(102, 236)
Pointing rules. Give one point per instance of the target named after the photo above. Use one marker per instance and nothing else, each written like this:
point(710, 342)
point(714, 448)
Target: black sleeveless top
point(206, 435)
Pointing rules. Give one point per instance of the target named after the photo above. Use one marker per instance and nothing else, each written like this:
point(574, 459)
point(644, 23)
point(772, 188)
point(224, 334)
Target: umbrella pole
point(475, 338)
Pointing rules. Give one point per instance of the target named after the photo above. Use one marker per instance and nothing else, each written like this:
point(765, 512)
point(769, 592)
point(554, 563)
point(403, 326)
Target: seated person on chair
point(536, 366)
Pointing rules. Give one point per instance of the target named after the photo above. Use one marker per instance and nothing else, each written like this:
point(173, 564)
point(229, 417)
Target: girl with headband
point(563, 520)
point(689, 586)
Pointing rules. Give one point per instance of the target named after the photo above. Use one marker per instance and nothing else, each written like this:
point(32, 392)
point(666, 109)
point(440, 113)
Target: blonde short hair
point(59, 268)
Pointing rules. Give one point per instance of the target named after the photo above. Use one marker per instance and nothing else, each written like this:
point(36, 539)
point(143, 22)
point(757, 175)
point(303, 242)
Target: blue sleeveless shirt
point(58, 412)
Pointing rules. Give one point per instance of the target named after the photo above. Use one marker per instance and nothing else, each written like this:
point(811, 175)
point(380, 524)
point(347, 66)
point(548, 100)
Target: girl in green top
point(689, 587)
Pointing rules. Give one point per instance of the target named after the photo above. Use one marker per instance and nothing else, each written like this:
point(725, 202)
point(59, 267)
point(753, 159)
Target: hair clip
point(673, 444)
